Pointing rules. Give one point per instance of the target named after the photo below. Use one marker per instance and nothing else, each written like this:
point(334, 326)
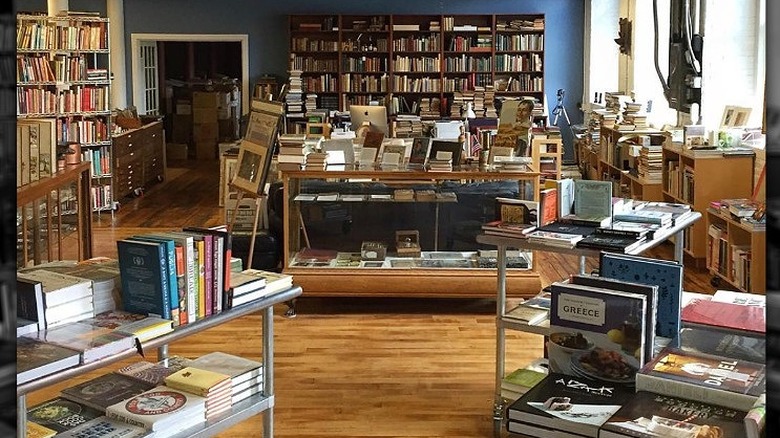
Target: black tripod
point(560, 109)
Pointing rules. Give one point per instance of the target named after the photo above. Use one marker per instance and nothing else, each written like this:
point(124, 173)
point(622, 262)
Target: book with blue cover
point(143, 270)
point(666, 274)
point(173, 282)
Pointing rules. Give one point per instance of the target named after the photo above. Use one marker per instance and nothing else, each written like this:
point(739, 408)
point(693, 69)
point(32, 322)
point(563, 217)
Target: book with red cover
point(724, 316)
point(548, 206)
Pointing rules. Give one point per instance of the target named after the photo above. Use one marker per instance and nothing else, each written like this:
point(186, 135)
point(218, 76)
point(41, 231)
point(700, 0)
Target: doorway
point(146, 63)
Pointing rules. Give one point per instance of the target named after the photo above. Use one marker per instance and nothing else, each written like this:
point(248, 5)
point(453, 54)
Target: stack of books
point(292, 151)
point(246, 375)
point(316, 161)
point(162, 410)
point(294, 96)
point(215, 387)
point(141, 327)
point(649, 163)
point(252, 284)
point(519, 381)
point(440, 165)
point(105, 390)
point(69, 415)
point(92, 343)
point(36, 359)
point(53, 299)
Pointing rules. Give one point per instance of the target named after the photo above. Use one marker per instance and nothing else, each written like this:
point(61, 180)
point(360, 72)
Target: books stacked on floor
point(162, 410)
point(563, 405)
point(53, 299)
point(316, 160)
point(605, 118)
point(294, 96)
point(440, 164)
point(184, 275)
point(105, 390)
point(92, 343)
point(141, 327)
point(246, 375)
point(36, 359)
point(214, 387)
point(102, 271)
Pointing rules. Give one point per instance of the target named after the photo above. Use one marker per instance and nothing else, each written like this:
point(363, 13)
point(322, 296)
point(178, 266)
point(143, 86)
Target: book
point(597, 333)
point(104, 427)
point(540, 301)
point(105, 390)
point(592, 201)
point(649, 291)
point(58, 289)
point(160, 409)
point(25, 326)
point(570, 404)
point(527, 315)
point(29, 301)
point(735, 318)
point(755, 419)
point(611, 243)
point(722, 381)
point(565, 189)
point(197, 381)
point(61, 414)
point(169, 248)
point(152, 373)
point(92, 342)
point(548, 206)
point(501, 228)
point(744, 298)
point(143, 270)
point(141, 326)
point(35, 430)
point(186, 274)
point(667, 275)
point(223, 250)
point(553, 238)
point(644, 216)
point(521, 380)
point(735, 345)
point(35, 359)
point(649, 415)
point(238, 368)
point(517, 211)
point(569, 228)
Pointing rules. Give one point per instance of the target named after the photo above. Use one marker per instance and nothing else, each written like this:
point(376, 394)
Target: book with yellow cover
point(197, 381)
point(35, 430)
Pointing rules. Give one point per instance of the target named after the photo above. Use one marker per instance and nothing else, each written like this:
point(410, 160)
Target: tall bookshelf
point(417, 64)
point(63, 74)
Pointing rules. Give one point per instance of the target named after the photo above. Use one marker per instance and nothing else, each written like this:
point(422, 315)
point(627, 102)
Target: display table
point(502, 323)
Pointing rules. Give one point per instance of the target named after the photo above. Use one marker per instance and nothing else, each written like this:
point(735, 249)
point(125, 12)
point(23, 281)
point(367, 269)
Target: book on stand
point(597, 333)
point(569, 404)
point(105, 390)
point(650, 415)
point(722, 381)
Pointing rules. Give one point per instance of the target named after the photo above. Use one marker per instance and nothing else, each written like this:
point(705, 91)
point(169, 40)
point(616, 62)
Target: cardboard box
point(206, 150)
point(183, 107)
point(203, 132)
point(204, 115)
point(176, 151)
point(245, 215)
point(181, 128)
point(205, 99)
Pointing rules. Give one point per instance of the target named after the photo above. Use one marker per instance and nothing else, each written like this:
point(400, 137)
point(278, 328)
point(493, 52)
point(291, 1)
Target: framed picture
point(735, 116)
point(453, 147)
point(421, 147)
point(253, 163)
point(340, 151)
point(398, 151)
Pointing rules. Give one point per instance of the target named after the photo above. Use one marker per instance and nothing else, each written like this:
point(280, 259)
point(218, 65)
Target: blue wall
point(266, 24)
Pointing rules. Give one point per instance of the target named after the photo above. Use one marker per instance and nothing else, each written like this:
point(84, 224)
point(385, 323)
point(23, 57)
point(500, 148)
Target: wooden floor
point(351, 367)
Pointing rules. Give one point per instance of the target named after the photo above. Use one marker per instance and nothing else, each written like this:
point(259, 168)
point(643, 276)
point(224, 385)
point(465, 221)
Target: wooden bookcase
point(63, 71)
point(625, 183)
point(414, 63)
point(736, 253)
point(696, 178)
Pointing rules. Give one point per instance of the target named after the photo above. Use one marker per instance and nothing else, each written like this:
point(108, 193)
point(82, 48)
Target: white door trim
point(135, 38)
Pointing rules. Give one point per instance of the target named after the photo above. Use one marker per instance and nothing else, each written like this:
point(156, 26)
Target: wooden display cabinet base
point(427, 283)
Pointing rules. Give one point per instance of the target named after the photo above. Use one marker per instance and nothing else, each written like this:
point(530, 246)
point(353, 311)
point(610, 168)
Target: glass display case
point(377, 232)
point(54, 218)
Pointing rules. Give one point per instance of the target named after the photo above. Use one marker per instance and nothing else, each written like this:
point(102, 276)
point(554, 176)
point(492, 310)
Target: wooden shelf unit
point(610, 167)
point(139, 158)
point(547, 154)
point(747, 272)
point(353, 59)
point(696, 178)
point(68, 80)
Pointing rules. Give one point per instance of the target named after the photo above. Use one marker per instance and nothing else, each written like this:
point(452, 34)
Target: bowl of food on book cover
point(563, 345)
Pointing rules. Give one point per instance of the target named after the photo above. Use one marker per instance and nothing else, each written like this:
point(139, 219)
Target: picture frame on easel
point(256, 148)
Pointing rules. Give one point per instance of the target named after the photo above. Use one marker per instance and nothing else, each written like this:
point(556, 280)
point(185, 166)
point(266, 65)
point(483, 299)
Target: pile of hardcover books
point(53, 299)
point(608, 380)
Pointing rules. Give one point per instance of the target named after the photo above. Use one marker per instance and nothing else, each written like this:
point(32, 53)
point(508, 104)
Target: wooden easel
point(255, 219)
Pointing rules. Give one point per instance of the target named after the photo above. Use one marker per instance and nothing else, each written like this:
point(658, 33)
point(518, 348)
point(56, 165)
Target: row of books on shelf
point(150, 399)
point(614, 371)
